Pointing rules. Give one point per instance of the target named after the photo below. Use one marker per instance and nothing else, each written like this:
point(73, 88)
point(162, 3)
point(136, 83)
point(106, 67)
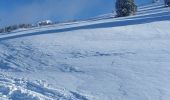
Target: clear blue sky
point(31, 11)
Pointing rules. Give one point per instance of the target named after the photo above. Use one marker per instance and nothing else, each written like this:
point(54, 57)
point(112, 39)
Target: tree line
point(20, 26)
point(14, 27)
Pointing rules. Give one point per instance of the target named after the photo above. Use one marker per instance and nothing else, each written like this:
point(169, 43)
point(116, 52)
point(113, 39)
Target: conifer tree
point(125, 8)
point(167, 3)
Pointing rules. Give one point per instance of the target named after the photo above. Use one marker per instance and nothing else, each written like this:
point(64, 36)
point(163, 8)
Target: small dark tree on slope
point(167, 3)
point(125, 8)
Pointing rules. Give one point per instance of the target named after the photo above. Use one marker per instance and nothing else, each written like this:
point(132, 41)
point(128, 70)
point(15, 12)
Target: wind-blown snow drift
point(110, 59)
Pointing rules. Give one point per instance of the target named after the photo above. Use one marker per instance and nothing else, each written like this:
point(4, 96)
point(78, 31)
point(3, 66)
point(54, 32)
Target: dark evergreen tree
point(167, 3)
point(125, 8)
point(24, 25)
point(2, 30)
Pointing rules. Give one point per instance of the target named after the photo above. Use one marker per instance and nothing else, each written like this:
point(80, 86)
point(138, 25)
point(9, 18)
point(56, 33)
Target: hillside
point(124, 58)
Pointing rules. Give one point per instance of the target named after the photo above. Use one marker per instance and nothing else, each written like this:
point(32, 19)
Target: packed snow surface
point(108, 59)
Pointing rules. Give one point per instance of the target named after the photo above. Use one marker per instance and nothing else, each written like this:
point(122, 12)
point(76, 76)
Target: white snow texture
point(124, 58)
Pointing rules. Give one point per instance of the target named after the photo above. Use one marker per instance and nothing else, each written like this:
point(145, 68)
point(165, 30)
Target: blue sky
point(31, 11)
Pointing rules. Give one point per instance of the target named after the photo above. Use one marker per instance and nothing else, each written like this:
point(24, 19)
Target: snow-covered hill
point(124, 58)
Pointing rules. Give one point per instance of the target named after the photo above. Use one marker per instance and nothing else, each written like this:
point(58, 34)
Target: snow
point(20, 89)
point(104, 59)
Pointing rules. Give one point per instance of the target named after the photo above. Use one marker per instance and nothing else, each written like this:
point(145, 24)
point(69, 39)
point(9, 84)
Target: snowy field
point(109, 59)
